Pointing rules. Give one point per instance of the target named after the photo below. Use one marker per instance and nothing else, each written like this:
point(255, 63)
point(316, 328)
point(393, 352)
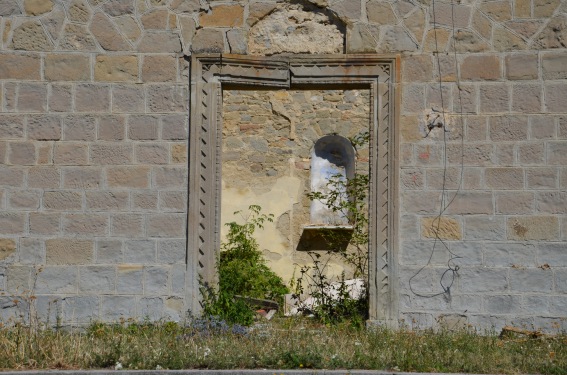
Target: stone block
point(174, 127)
point(560, 279)
point(67, 67)
point(542, 178)
point(22, 153)
point(118, 7)
point(421, 203)
point(44, 177)
point(44, 127)
point(107, 200)
point(237, 41)
point(417, 68)
point(97, 279)
point(60, 98)
point(12, 223)
point(159, 68)
point(555, 94)
point(527, 98)
point(128, 177)
point(444, 228)
point(151, 308)
point(545, 8)
point(481, 68)
point(412, 179)
point(531, 153)
point(128, 225)
point(179, 153)
point(558, 305)
point(223, 16)
point(111, 128)
point(174, 201)
point(24, 199)
point(562, 131)
point(30, 36)
point(11, 126)
point(557, 153)
point(45, 223)
point(57, 279)
point(62, 200)
point(32, 97)
point(144, 201)
point(77, 37)
point(521, 66)
point(116, 68)
point(140, 251)
point(536, 305)
point(502, 254)
point(109, 251)
point(112, 153)
point(526, 228)
point(151, 153)
point(494, 98)
point(107, 35)
point(166, 225)
point(128, 99)
point(503, 304)
point(37, 7)
point(82, 309)
point(156, 280)
point(170, 177)
point(79, 128)
point(171, 251)
point(155, 19)
point(79, 11)
point(85, 224)
point(71, 154)
point(160, 42)
point(554, 66)
point(92, 98)
point(553, 254)
point(130, 279)
point(18, 278)
point(472, 203)
point(69, 251)
point(11, 176)
point(531, 280)
point(465, 99)
point(143, 128)
point(116, 308)
point(7, 248)
point(483, 279)
point(208, 41)
point(504, 178)
point(491, 228)
point(508, 128)
point(554, 202)
point(168, 98)
point(413, 98)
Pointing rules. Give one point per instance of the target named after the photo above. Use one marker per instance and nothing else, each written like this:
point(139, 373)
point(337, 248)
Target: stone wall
point(93, 148)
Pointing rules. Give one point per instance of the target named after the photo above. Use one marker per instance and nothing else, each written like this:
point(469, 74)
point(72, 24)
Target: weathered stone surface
point(78, 38)
point(156, 20)
point(494, 98)
point(545, 8)
point(125, 99)
point(257, 11)
point(417, 69)
point(37, 7)
point(7, 248)
point(79, 11)
point(468, 41)
point(32, 97)
point(554, 97)
point(526, 29)
point(22, 153)
point(504, 40)
point(70, 154)
point(69, 251)
point(554, 66)
point(60, 98)
point(132, 177)
point(526, 98)
point(113, 68)
point(555, 33)
point(436, 40)
point(444, 228)
point(185, 6)
point(9, 8)
point(187, 24)
point(106, 34)
point(44, 127)
point(526, 228)
point(143, 127)
point(29, 36)
point(522, 9)
point(129, 27)
point(508, 128)
point(118, 7)
point(396, 39)
point(223, 16)
point(521, 66)
point(160, 41)
point(92, 98)
point(552, 202)
point(312, 33)
point(380, 12)
point(482, 24)
point(557, 153)
point(454, 15)
point(67, 67)
point(237, 41)
point(480, 67)
point(360, 38)
point(347, 10)
point(53, 22)
point(159, 68)
point(498, 10)
point(416, 24)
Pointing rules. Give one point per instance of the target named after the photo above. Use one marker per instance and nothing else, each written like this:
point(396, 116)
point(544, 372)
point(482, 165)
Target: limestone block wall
point(93, 148)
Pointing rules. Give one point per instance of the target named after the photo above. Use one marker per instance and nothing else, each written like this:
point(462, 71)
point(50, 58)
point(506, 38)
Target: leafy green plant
point(243, 272)
point(334, 300)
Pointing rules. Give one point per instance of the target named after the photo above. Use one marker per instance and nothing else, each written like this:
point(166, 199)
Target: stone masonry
point(94, 124)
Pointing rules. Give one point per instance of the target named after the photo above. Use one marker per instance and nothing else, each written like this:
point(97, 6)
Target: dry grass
point(283, 344)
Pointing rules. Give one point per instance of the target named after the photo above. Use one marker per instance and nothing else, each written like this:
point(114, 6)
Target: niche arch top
point(211, 73)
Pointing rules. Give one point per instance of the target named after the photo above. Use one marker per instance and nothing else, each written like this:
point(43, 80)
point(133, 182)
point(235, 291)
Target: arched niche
point(332, 159)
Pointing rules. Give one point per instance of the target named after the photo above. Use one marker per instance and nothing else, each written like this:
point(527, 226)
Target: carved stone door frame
point(212, 73)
